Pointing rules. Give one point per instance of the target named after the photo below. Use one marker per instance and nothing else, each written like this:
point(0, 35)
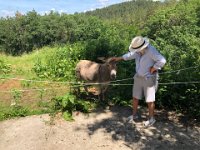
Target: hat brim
point(141, 48)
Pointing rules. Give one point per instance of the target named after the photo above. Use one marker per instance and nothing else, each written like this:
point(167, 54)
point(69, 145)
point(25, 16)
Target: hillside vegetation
point(172, 27)
point(132, 12)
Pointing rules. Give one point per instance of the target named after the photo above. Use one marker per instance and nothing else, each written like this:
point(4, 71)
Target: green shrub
point(175, 32)
point(60, 64)
point(68, 103)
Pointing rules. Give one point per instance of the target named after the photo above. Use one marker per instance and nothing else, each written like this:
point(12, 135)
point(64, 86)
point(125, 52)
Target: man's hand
point(153, 70)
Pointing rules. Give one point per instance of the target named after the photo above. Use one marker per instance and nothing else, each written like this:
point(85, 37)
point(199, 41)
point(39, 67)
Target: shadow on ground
point(167, 133)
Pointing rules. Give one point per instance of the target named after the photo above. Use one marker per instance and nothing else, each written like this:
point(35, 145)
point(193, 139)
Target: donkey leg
point(86, 88)
point(100, 97)
point(103, 96)
point(103, 91)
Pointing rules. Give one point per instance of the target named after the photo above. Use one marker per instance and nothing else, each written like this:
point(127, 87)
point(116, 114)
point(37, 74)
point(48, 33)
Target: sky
point(10, 7)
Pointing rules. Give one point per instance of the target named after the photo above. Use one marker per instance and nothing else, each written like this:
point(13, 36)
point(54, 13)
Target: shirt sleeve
point(158, 58)
point(130, 56)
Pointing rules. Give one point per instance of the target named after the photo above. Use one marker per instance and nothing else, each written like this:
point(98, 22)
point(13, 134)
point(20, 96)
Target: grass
point(7, 112)
point(33, 102)
point(22, 65)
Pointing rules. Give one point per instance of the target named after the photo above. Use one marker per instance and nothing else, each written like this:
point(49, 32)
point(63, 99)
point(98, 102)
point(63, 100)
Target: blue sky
point(9, 7)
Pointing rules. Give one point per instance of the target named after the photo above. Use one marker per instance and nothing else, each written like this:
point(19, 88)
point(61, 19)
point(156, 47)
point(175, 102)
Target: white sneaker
point(150, 122)
point(131, 118)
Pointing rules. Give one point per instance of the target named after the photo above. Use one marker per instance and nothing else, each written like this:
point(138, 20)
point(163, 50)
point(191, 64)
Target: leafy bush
point(68, 103)
point(175, 32)
point(110, 42)
point(60, 64)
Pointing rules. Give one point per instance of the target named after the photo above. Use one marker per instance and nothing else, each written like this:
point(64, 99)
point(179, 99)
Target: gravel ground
point(103, 129)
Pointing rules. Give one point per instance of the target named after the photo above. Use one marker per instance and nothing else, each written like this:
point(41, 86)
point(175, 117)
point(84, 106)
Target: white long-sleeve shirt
point(151, 58)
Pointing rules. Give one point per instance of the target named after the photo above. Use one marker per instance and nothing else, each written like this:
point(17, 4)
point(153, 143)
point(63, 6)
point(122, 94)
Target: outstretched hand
point(116, 59)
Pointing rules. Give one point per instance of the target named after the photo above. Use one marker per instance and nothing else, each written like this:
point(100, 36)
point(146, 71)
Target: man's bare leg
point(151, 107)
point(151, 119)
point(135, 106)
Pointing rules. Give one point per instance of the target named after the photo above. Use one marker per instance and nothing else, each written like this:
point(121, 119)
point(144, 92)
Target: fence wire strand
point(78, 84)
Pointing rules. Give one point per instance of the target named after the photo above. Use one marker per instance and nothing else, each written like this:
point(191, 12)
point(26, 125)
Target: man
point(148, 61)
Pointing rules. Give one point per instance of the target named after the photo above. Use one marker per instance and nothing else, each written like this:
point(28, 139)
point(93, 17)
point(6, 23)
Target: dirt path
point(100, 130)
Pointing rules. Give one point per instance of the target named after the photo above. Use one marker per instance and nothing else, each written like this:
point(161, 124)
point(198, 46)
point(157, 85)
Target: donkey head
point(112, 68)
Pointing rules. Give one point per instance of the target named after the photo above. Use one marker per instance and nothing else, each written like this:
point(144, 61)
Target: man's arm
point(158, 58)
point(116, 59)
point(127, 56)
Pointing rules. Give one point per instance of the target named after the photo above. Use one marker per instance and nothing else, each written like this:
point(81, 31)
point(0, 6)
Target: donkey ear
point(102, 59)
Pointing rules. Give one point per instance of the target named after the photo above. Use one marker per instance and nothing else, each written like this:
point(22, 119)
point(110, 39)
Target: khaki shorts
point(146, 87)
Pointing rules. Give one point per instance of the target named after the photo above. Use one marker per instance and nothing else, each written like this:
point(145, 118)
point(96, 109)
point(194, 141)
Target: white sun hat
point(138, 43)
